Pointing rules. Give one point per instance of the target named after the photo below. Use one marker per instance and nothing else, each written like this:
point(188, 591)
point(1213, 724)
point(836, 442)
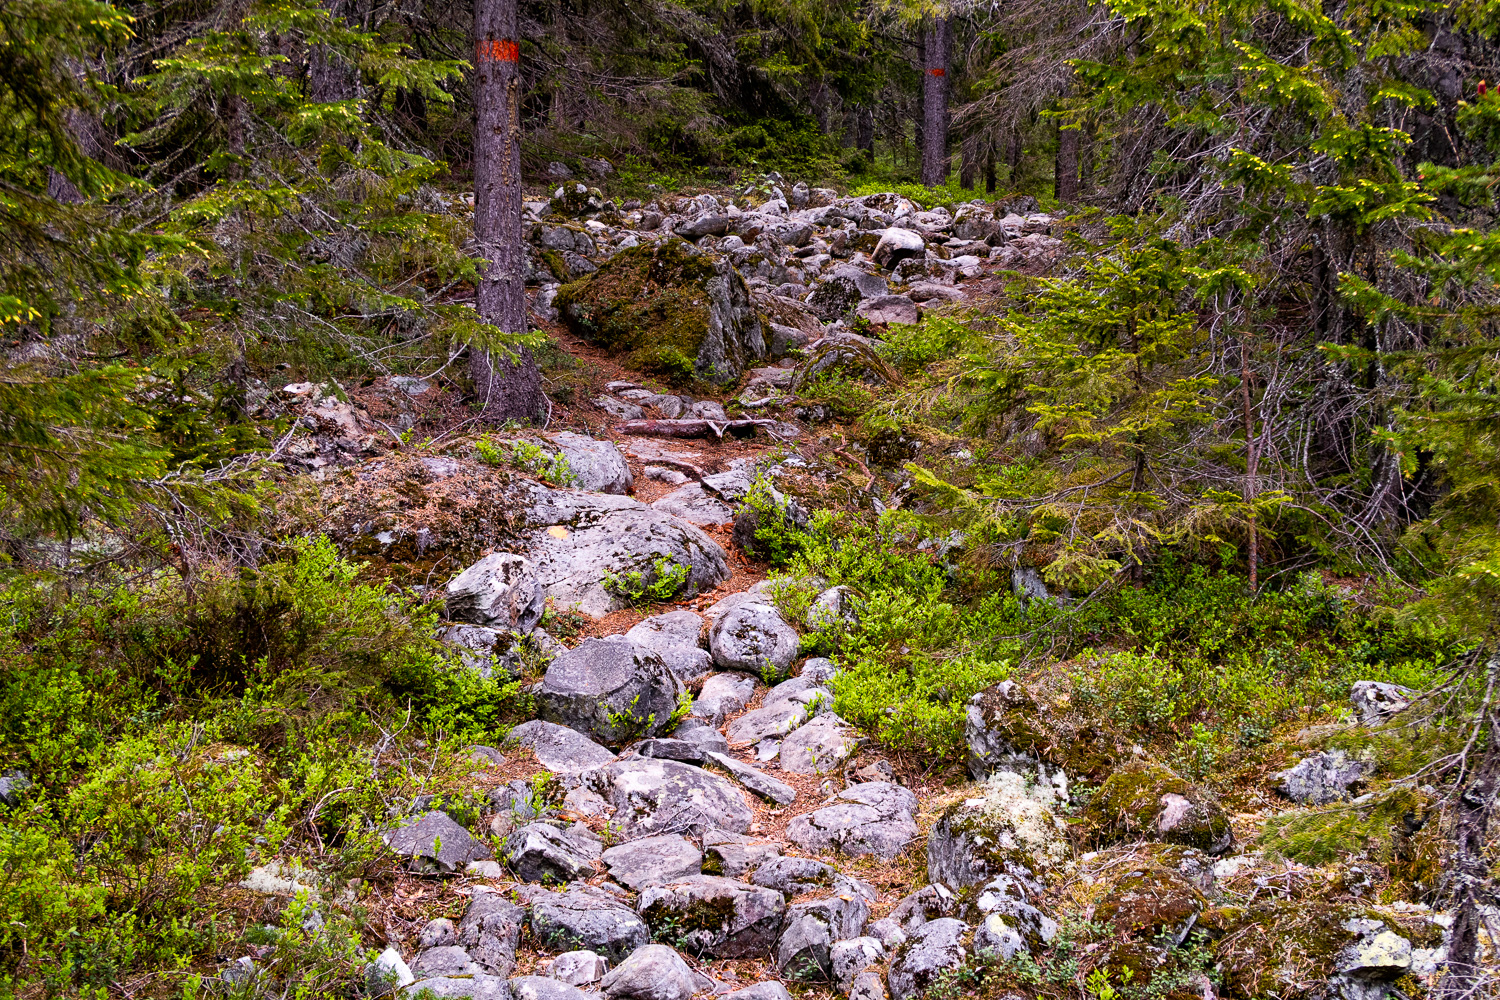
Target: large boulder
point(713, 915)
point(586, 918)
point(654, 972)
point(560, 749)
point(897, 245)
point(671, 309)
point(490, 931)
point(674, 637)
point(501, 590)
point(653, 860)
point(1004, 824)
point(1149, 910)
point(611, 689)
point(596, 466)
point(870, 818)
point(540, 852)
point(1007, 729)
point(1150, 801)
point(1281, 947)
point(652, 797)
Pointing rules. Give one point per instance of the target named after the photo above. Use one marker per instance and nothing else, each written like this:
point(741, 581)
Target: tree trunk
point(935, 103)
point(968, 164)
point(1471, 823)
point(329, 77)
point(507, 387)
point(989, 171)
point(1067, 165)
point(1252, 459)
point(1013, 157)
point(864, 131)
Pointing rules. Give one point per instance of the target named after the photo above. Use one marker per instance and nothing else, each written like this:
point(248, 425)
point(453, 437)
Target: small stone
point(549, 987)
point(437, 933)
point(753, 638)
point(793, 876)
point(1376, 701)
point(445, 960)
point(882, 310)
point(733, 855)
point(610, 689)
point(663, 796)
point(672, 749)
point(389, 971)
point(854, 956)
point(757, 781)
point(896, 245)
point(761, 991)
point(502, 590)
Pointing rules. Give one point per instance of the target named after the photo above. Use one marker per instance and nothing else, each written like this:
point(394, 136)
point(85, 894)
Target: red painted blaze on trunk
point(498, 50)
point(938, 71)
point(934, 142)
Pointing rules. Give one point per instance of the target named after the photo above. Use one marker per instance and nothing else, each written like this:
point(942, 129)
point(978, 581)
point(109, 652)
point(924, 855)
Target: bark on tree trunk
point(507, 387)
point(1464, 974)
point(1252, 459)
point(968, 165)
point(1013, 159)
point(989, 172)
point(935, 103)
point(864, 131)
point(1067, 165)
point(329, 77)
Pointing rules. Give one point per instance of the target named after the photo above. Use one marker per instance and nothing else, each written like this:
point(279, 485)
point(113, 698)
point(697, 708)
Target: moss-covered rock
point(1298, 948)
point(671, 310)
point(1150, 912)
point(1153, 802)
point(1006, 728)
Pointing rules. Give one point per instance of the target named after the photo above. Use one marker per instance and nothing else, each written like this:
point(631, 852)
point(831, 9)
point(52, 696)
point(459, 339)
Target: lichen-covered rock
point(671, 310)
point(560, 749)
point(936, 947)
point(1008, 730)
point(1004, 824)
point(870, 818)
point(549, 987)
point(586, 918)
point(663, 796)
point(595, 465)
point(1330, 776)
point(896, 245)
point(733, 854)
point(540, 852)
point(502, 589)
point(490, 930)
point(1376, 701)
point(722, 695)
point(578, 968)
point(716, 916)
point(610, 689)
point(834, 298)
point(794, 876)
point(805, 948)
point(1149, 911)
point(818, 746)
point(674, 637)
point(1151, 801)
point(853, 957)
point(1008, 900)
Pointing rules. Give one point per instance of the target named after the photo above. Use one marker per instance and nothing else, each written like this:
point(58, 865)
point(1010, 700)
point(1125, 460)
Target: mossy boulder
point(1150, 912)
point(1007, 728)
point(669, 309)
point(1148, 801)
point(1301, 947)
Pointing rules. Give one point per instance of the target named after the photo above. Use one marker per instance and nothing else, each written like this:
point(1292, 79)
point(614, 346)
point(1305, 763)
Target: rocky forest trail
point(686, 780)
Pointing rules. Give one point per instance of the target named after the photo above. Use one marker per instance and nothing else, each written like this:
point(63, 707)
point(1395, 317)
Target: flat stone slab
point(653, 860)
point(770, 720)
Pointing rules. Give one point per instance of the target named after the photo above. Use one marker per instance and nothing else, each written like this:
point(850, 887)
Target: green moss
point(555, 264)
point(1279, 948)
point(649, 302)
point(1129, 804)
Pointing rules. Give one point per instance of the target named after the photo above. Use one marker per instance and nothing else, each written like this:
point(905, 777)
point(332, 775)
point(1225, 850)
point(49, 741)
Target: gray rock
point(1330, 776)
point(832, 609)
point(551, 987)
point(871, 818)
point(578, 968)
point(716, 916)
point(1008, 899)
point(1364, 968)
point(576, 538)
point(662, 796)
point(596, 465)
point(610, 689)
point(794, 876)
point(933, 949)
point(444, 960)
point(756, 780)
point(540, 852)
point(818, 670)
point(662, 474)
point(674, 637)
point(733, 855)
point(995, 939)
point(712, 224)
point(706, 737)
point(489, 930)
point(1027, 584)
point(805, 950)
point(387, 972)
point(13, 784)
point(502, 589)
point(854, 956)
point(869, 285)
point(435, 844)
point(584, 917)
point(888, 931)
point(761, 991)
point(723, 695)
point(883, 310)
point(654, 972)
point(653, 861)
point(480, 987)
point(239, 973)
point(691, 503)
point(559, 749)
point(834, 299)
point(1377, 701)
point(867, 986)
point(818, 747)
point(915, 909)
point(896, 245)
point(753, 638)
point(437, 933)
point(673, 749)
point(619, 408)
